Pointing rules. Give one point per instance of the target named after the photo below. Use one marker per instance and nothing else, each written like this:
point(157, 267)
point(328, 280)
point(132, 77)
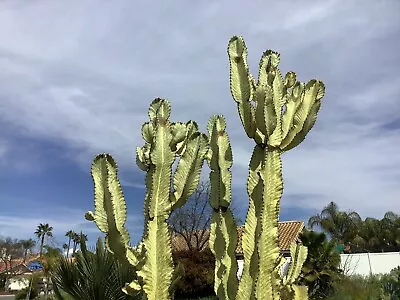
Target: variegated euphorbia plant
point(277, 113)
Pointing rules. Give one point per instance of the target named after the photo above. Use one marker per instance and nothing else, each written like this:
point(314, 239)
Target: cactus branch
point(285, 111)
point(223, 234)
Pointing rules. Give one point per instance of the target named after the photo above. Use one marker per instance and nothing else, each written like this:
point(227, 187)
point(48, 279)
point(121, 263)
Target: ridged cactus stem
point(223, 233)
point(252, 227)
point(277, 113)
point(268, 247)
point(165, 142)
point(260, 237)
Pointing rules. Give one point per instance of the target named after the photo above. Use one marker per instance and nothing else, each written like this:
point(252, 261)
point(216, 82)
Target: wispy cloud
point(84, 73)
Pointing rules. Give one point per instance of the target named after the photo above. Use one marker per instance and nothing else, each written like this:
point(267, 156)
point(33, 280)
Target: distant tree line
point(358, 235)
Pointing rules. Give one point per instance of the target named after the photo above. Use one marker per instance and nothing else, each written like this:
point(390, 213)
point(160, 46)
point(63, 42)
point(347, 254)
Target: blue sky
point(77, 78)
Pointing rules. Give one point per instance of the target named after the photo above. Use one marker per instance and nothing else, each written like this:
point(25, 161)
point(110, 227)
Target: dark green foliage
point(376, 235)
point(21, 295)
point(41, 232)
point(370, 234)
point(3, 279)
point(359, 288)
point(198, 279)
point(97, 275)
point(391, 283)
point(375, 287)
point(321, 267)
point(342, 226)
point(52, 252)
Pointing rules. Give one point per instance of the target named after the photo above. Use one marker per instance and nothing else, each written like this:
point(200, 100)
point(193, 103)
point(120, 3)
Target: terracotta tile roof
point(19, 269)
point(288, 233)
point(16, 262)
point(179, 243)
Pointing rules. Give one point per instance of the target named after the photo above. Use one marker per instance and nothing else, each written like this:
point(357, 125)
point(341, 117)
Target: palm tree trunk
point(41, 246)
point(69, 245)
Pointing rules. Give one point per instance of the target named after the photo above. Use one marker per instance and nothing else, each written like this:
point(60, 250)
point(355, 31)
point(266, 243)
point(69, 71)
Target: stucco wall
point(17, 284)
point(366, 263)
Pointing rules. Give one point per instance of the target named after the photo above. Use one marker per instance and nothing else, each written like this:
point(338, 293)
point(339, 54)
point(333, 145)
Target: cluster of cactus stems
point(277, 113)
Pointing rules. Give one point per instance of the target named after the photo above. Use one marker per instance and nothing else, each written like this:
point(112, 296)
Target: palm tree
point(27, 245)
point(321, 268)
point(78, 240)
point(42, 231)
point(97, 275)
point(391, 230)
point(65, 247)
point(52, 256)
point(75, 240)
point(83, 237)
point(340, 225)
point(379, 235)
point(70, 235)
point(369, 237)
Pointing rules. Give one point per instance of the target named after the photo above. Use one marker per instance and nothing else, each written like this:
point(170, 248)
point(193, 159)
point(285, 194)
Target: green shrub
point(391, 283)
point(21, 295)
point(3, 280)
point(198, 278)
point(93, 275)
point(359, 288)
point(321, 268)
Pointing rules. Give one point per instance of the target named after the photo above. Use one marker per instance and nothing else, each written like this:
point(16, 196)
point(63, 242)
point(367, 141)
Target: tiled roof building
point(17, 262)
point(288, 232)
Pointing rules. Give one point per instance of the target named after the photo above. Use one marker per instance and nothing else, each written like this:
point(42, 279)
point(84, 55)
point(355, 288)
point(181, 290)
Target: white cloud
point(84, 73)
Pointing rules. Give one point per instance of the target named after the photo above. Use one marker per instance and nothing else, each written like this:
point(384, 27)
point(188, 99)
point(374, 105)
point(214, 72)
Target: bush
point(3, 280)
point(93, 275)
point(198, 279)
point(321, 268)
point(375, 287)
point(21, 295)
point(359, 288)
point(391, 283)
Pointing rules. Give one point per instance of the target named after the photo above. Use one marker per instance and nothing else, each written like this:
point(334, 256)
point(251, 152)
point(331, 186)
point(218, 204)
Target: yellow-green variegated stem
point(223, 234)
point(289, 290)
point(298, 254)
point(300, 292)
point(252, 227)
point(164, 143)
point(162, 158)
point(110, 210)
point(268, 247)
point(277, 113)
point(303, 113)
point(187, 174)
point(242, 84)
point(157, 270)
point(167, 141)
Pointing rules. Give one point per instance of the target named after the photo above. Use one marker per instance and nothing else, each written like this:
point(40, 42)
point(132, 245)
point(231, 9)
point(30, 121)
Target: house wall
point(284, 267)
point(367, 263)
point(240, 268)
point(17, 284)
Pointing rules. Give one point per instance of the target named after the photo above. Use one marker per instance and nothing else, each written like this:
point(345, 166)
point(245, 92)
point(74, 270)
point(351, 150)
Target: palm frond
point(93, 275)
